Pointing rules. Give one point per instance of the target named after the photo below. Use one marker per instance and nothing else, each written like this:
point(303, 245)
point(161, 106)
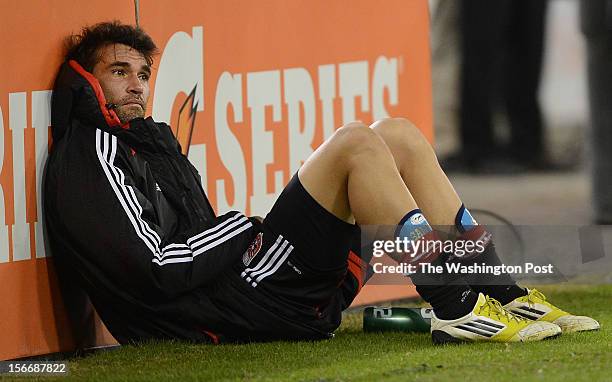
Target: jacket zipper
point(177, 175)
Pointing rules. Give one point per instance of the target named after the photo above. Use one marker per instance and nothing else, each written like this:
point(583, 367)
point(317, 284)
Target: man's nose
point(135, 85)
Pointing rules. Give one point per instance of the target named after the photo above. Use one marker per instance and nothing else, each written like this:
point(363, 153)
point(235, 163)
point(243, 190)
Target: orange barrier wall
point(252, 88)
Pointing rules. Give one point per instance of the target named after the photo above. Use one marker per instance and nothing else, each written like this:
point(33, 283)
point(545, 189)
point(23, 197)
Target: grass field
point(356, 356)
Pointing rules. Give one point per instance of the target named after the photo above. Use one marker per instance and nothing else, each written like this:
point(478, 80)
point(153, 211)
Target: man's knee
point(402, 134)
point(358, 139)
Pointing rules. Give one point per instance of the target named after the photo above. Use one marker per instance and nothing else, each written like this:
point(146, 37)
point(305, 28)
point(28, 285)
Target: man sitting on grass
point(126, 214)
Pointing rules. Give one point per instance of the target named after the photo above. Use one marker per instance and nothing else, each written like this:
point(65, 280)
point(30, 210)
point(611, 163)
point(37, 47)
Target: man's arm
point(113, 226)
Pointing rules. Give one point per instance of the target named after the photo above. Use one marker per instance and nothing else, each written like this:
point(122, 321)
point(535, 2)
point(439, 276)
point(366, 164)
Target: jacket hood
point(78, 94)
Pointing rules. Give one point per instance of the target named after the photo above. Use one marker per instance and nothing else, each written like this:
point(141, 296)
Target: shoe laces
point(533, 296)
point(494, 307)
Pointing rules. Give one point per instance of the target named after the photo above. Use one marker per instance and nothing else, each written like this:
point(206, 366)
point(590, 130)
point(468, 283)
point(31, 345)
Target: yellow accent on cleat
point(535, 307)
point(489, 321)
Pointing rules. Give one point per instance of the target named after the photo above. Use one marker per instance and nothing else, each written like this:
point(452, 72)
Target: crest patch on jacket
point(253, 249)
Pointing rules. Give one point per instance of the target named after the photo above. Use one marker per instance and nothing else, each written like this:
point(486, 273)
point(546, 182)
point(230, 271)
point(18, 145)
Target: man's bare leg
point(353, 174)
point(436, 197)
point(377, 196)
point(418, 166)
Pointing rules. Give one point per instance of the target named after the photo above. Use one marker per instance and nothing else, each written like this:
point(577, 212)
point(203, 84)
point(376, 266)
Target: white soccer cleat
point(489, 321)
point(535, 307)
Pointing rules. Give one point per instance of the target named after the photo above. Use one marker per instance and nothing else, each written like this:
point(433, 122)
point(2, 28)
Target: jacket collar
point(77, 94)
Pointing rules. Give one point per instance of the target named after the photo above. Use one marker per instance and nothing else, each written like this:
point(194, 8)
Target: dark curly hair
point(84, 48)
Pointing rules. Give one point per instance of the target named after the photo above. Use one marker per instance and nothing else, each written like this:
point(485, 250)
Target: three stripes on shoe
point(527, 312)
point(480, 327)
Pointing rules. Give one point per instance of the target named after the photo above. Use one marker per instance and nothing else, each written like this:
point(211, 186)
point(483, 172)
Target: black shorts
point(301, 260)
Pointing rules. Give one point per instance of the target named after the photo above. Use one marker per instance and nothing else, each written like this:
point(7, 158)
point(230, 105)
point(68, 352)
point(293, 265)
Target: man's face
point(124, 75)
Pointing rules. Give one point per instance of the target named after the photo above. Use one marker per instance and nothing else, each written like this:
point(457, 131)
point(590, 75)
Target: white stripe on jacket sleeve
point(106, 147)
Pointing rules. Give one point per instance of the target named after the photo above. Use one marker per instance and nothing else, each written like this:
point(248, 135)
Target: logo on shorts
point(253, 249)
point(296, 269)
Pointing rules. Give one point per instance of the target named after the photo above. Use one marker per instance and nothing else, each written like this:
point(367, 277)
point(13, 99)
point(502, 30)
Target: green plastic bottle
point(390, 319)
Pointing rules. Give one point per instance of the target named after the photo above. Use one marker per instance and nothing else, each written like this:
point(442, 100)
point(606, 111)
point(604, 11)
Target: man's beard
point(126, 111)
point(126, 114)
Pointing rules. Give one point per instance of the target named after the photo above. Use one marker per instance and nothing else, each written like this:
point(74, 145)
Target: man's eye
point(144, 77)
point(118, 72)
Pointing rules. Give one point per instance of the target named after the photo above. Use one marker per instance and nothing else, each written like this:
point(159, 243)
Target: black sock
point(449, 298)
point(501, 287)
point(449, 302)
point(449, 295)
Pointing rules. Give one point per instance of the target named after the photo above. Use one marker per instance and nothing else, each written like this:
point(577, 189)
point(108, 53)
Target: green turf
point(356, 356)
